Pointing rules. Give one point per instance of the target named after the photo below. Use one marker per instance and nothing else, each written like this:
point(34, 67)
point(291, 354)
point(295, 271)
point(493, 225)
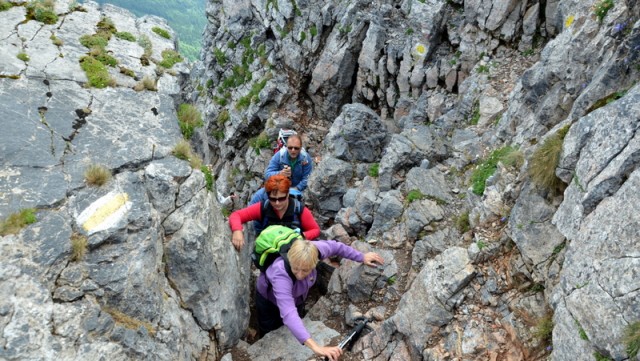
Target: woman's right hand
point(237, 238)
point(331, 352)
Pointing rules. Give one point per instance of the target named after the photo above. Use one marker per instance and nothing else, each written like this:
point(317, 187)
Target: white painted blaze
point(105, 212)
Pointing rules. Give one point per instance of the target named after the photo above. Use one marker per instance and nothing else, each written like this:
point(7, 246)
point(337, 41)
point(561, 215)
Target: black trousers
point(269, 314)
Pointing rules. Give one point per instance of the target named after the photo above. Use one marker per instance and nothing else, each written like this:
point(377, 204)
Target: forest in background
point(186, 17)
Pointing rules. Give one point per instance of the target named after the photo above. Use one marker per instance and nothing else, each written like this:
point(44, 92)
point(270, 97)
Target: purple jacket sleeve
point(334, 248)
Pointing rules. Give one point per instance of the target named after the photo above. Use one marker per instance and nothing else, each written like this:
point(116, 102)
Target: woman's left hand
point(371, 258)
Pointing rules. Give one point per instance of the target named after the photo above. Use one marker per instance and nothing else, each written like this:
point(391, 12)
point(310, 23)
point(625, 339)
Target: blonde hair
point(303, 254)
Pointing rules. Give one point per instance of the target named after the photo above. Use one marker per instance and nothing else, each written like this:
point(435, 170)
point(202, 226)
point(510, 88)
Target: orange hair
point(277, 183)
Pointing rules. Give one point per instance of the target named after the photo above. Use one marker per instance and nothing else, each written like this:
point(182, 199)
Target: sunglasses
point(279, 199)
point(293, 148)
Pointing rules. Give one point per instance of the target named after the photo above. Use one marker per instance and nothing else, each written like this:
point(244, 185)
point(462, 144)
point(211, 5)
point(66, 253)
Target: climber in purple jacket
point(279, 298)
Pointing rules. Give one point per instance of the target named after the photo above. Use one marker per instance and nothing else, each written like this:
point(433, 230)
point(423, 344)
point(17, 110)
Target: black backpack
point(269, 218)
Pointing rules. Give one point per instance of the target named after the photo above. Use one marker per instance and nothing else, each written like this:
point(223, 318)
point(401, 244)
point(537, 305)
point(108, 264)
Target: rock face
point(152, 283)
point(408, 109)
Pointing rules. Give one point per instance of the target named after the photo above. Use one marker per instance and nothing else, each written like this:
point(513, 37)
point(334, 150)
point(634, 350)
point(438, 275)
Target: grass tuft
point(125, 35)
point(260, 142)
point(79, 244)
point(16, 221)
point(42, 11)
point(544, 329)
point(462, 222)
point(183, 151)
point(129, 322)
point(23, 56)
point(162, 32)
point(97, 175)
point(374, 170)
point(631, 339)
point(170, 58)
point(545, 159)
point(486, 168)
point(414, 195)
point(189, 118)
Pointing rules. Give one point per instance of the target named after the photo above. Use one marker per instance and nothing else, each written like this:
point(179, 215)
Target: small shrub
point(303, 36)
point(96, 72)
point(23, 56)
point(414, 195)
point(481, 245)
point(79, 245)
point(631, 339)
point(56, 40)
point(189, 118)
point(374, 170)
point(16, 221)
point(162, 32)
point(42, 11)
point(125, 35)
point(462, 222)
point(170, 58)
point(221, 58)
point(601, 8)
point(91, 41)
point(260, 142)
point(208, 177)
point(391, 280)
point(486, 169)
point(483, 69)
point(313, 30)
point(97, 175)
point(545, 159)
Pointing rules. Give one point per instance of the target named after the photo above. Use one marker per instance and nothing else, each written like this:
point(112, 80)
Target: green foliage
point(606, 100)
point(260, 142)
point(528, 52)
point(391, 280)
point(125, 35)
point(218, 134)
point(631, 339)
point(544, 329)
point(601, 8)
point(221, 58)
point(23, 56)
point(545, 159)
point(95, 40)
point(79, 244)
point(475, 115)
point(208, 177)
point(313, 31)
point(148, 82)
point(96, 72)
point(483, 69)
point(189, 118)
point(414, 195)
point(5, 5)
point(128, 72)
point(581, 331)
point(537, 287)
point(374, 170)
point(462, 222)
point(256, 88)
point(42, 11)
point(223, 117)
point(146, 44)
point(486, 168)
point(162, 32)
point(409, 31)
point(16, 221)
point(303, 36)
point(600, 357)
point(344, 30)
point(97, 175)
point(101, 55)
point(481, 245)
point(170, 58)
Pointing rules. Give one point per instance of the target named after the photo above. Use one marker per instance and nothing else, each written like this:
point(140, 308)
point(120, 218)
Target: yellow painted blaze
point(106, 210)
